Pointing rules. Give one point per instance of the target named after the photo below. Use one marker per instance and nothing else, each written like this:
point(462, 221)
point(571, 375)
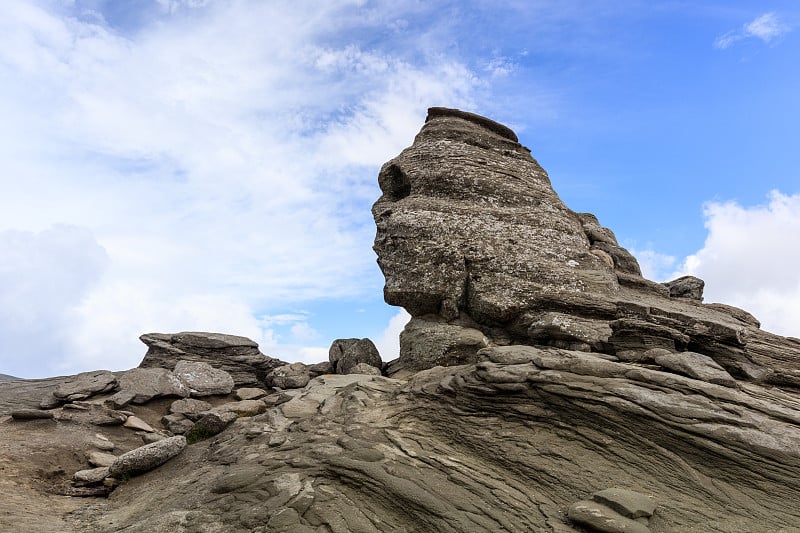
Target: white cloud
point(750, 259)
point(45, 277)
point(766, 27)
point(223, 154)
point(655, 266)
point(389, 343)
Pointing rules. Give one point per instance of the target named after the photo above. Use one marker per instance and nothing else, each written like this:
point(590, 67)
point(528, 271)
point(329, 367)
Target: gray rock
point(92, 475)
point(177, 423)
point(628, 503)
point(425, 344)
point(344, 354)
point(147, 457)
point(85, 385)
point(149, 383)
point(101, 443)
point(320, 369)
point(686, 287)
point(293, 376)
point(203, 379)
point(243, 407)
point(210, 424)
point(697, 366)
point(190, 408)
point(106, 417)
point(249, 393)
point(364, 368)
point(100, 459)
point(31, 414)
point(570, 332)
point(121, 399)
point(598, 517)
point(238, 356)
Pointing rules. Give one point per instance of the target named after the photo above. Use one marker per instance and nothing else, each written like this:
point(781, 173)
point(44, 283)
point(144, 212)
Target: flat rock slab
point(149, 383)
point(696, 365)
point(243, 407)
point(86, 384)
point(203, 379)
point(628, 503)
point(190, 408)
point(249, 393)
point(598, 517)
point(148, 457)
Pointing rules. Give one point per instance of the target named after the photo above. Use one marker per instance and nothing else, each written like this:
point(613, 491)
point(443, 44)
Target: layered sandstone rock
point(471, 233)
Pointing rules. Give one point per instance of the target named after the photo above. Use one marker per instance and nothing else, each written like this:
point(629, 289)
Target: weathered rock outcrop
point(471, 231)
point(238, 356)
point(543, 385)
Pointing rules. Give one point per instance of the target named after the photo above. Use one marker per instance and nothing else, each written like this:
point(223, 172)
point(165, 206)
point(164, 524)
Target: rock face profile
point(543, 385)
point(471, 234)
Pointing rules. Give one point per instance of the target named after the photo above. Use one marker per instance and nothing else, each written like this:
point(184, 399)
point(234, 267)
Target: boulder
point(344, 354)
point(320, 369)
point(424, 344)
point(177, 423)
point(148, 383)
point(209, 425)
point(190, 408)
point(293, 376)
point(365, 368)
point(85, 385)
point(238, 356)
point(147, 457)
point(203, 379)
point(686, 287)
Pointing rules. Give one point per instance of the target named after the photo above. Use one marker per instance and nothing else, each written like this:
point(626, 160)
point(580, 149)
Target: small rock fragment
point(91, 475)
point(98, 459)
point(134, 422)
point(598, 517)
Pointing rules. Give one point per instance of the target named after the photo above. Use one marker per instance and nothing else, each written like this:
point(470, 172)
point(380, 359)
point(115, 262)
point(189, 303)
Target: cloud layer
point(222, 154)
point(766, 27)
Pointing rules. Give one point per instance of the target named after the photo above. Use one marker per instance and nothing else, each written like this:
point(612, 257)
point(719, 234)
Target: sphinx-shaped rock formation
point(472, 235)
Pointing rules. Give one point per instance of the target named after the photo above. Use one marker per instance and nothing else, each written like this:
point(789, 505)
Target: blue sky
point(174, 165)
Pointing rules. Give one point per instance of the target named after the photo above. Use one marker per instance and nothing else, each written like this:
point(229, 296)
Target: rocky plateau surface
point(543, 385)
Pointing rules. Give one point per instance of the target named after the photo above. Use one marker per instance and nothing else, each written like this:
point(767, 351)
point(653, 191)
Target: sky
point(191, 165)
